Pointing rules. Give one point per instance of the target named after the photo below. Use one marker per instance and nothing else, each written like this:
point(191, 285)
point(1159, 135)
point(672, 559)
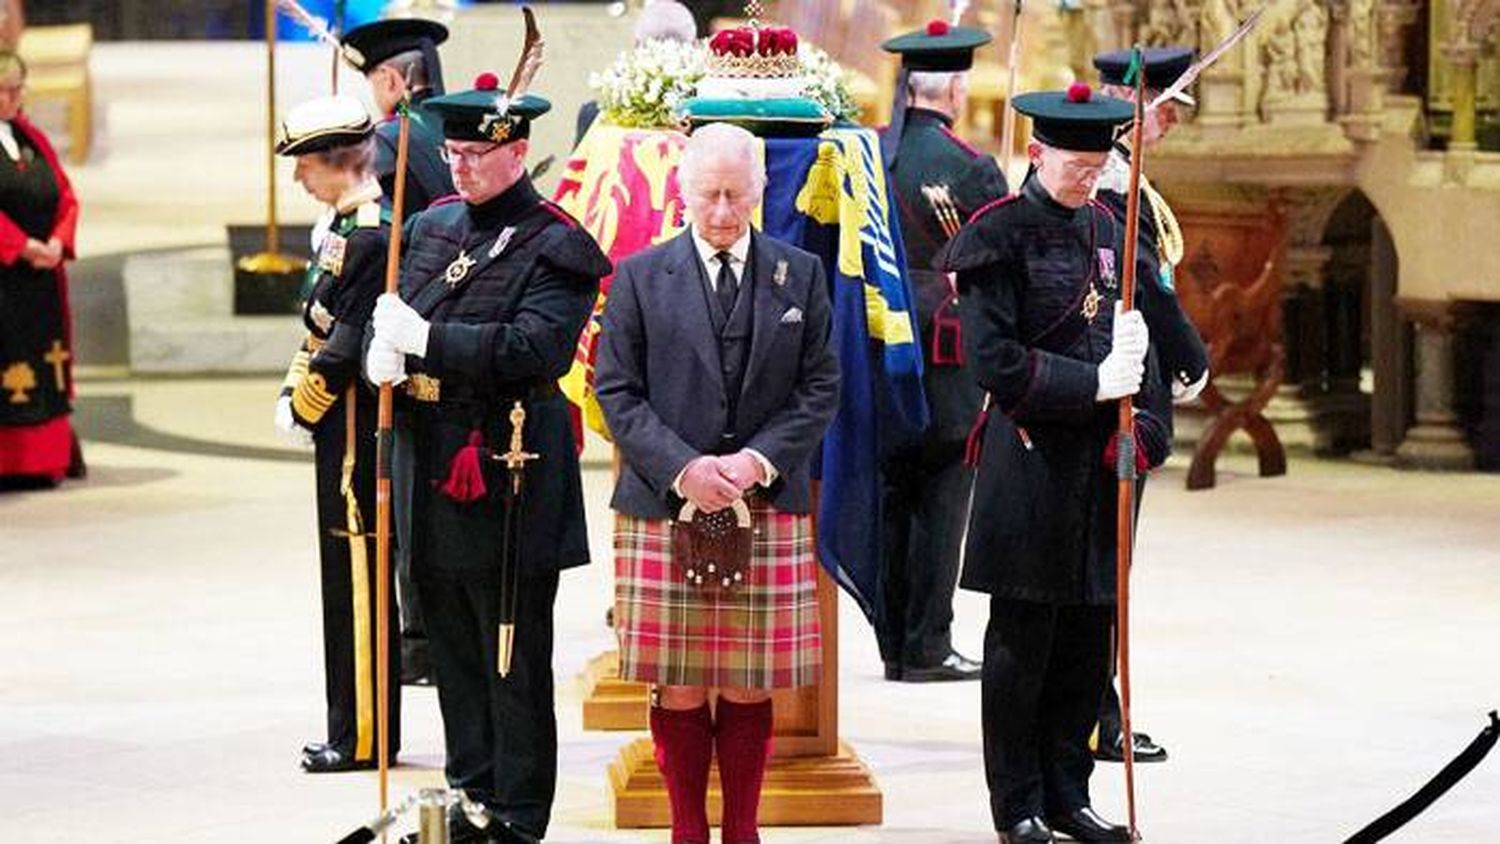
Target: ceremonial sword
point(515, 461)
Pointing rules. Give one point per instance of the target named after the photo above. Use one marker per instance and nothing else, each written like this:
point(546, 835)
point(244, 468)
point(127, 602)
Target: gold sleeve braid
point(296, 371)
point(1168, 232)
point(311, 400)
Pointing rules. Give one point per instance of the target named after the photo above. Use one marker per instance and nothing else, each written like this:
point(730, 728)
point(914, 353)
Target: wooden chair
point(1230, 285)
point(57, 58)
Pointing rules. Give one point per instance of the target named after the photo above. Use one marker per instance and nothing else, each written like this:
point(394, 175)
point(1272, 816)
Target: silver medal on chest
point(459, 269)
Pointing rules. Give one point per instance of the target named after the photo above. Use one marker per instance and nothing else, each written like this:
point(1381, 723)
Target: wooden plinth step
point(610, 703)
point(799, 791)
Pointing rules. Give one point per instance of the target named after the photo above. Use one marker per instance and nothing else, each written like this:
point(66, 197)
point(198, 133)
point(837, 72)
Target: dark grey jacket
point(658, 376)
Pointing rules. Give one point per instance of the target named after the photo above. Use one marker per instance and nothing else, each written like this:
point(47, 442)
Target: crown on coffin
point(754, 52)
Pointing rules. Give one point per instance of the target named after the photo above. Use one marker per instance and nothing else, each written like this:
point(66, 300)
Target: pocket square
point(792, 316)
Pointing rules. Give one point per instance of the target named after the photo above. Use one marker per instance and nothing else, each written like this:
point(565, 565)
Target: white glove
point(383, 363)
point(1121, 370)
point(1184, 393)
point(286, 425)
point(400, 326)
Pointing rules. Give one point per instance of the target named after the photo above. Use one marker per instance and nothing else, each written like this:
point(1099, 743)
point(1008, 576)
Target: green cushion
point(768, 118)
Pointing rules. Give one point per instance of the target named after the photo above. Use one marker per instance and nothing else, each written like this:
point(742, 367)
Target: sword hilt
point(516, 457)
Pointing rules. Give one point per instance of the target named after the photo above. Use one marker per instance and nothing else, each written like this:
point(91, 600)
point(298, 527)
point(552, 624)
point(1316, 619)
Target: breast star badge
point(459, 269)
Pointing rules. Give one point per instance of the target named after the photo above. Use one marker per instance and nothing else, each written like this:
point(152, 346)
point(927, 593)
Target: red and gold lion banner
point(621, 184)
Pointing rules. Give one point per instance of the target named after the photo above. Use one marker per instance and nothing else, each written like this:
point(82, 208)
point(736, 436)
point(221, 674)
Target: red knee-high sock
point(742, 734)
point(684, 740)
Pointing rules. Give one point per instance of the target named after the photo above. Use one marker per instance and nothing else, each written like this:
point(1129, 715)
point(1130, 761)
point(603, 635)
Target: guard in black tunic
point(495, 288)
point(399, 56)
point(332, 140)
point(939, 180)
point(1179, 353)
point(1041, 276)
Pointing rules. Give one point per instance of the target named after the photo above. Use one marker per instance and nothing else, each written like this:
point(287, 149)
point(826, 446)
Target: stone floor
point(1311, 649)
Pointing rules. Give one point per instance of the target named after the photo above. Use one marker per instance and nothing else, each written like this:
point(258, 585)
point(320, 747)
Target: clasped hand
point(43, 256)
point(713, 482)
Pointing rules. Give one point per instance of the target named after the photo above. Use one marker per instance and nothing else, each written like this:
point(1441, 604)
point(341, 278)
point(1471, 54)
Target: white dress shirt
point(739, 253)
point(8, 141)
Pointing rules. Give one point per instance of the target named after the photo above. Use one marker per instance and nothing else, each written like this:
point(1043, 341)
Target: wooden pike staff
point(338, 26)
point(1125, 453)
point(384, 434)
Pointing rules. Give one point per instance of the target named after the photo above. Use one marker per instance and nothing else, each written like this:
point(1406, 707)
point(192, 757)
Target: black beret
point(939, 48)
point(376, 42)
point(1163, 66)
point(1076, 119)
point(477, 115)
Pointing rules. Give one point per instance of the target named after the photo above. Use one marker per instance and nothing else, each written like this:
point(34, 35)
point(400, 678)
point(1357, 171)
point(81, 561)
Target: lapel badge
point(779, 278)
point(502, 241)
point(459, 269)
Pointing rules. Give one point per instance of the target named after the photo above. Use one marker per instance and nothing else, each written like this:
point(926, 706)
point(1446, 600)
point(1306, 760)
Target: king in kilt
point(717, 379)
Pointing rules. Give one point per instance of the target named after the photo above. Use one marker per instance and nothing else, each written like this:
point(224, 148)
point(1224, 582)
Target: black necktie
point(726, 286)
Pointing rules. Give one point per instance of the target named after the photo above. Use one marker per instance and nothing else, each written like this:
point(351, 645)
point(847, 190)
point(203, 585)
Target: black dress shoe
point(955, 666)
point(331, 760)
point(893, 671)
point(1146, 750)
point(1029, 831)
point(1084, 824)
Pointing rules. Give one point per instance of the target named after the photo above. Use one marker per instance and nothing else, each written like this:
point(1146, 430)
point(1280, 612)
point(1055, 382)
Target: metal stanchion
point(433, 807)
point(432, 825)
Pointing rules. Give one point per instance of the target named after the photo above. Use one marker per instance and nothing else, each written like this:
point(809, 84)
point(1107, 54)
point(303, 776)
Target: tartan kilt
point(764, 635)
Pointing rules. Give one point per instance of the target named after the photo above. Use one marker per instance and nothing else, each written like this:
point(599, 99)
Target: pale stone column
point(1435, 441)
point(1463, 60)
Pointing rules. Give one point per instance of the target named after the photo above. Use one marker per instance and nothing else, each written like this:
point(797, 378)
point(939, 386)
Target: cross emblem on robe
point(58, 357)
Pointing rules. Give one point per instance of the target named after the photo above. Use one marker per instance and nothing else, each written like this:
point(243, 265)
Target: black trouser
point(1110, 724)
point(924, 505)
point(413, 625)
point(501, 733)
point(1045, 669)
point(349, 623)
